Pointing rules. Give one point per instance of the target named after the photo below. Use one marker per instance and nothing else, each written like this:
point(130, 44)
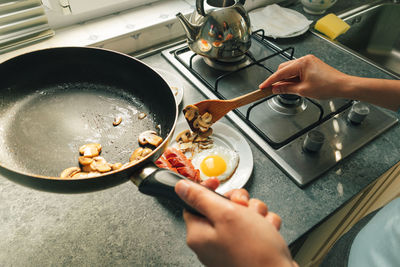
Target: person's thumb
point(200, 198)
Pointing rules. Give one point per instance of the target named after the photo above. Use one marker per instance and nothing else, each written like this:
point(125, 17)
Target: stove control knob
point(358, 112)
point(314, 141)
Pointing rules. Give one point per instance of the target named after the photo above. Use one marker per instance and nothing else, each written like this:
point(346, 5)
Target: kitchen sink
point(374, 34)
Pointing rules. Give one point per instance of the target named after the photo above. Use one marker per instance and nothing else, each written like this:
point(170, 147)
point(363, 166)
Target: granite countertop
point(120, 226)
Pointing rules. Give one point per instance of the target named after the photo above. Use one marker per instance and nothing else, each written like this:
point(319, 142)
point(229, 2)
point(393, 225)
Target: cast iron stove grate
point(280, 130)
point(245, 112)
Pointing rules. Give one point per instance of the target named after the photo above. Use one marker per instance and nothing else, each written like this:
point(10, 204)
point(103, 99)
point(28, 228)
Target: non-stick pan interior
point(54, 101)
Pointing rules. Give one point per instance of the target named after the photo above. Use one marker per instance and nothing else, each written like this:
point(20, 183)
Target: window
point(22, 22)
point(62, 13)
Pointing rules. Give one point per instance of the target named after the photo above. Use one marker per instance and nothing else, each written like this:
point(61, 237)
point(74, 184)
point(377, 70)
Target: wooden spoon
point(218, 108)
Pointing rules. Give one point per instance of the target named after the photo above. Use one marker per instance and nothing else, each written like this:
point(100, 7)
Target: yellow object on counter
point(331, 25)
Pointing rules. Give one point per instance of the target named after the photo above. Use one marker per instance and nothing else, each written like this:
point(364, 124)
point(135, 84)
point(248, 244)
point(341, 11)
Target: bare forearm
point(381, 92)
point(318, 80)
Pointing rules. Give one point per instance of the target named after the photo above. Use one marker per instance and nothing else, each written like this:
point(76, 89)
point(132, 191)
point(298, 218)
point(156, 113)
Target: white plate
point(174, 83)
point(259, 21)
point(296, 33)
point(228, 137)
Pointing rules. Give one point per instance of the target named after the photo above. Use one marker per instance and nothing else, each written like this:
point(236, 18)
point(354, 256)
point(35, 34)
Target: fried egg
point(218, 161)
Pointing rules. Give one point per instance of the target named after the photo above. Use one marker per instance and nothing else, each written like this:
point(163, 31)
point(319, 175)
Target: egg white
point(230, 157)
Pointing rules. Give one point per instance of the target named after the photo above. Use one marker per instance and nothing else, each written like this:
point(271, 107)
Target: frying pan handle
point(162, 183)
point(158, 182)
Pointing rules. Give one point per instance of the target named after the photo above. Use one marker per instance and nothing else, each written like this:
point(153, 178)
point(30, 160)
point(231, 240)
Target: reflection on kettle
point(221, 34)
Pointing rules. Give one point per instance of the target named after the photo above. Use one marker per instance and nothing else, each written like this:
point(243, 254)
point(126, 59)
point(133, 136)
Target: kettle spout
point(190, 29)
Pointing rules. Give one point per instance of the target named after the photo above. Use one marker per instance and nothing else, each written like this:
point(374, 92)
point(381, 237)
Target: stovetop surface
point(278, 123)
point(280, 129)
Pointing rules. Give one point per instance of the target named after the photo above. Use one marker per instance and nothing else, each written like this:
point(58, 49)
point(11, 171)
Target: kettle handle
point(200, 6)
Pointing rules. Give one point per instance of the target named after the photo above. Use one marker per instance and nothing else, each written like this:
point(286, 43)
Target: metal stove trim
point(270, 152)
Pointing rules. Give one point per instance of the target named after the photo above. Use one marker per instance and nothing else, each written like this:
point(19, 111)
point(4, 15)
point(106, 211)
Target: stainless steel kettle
point(222, 34)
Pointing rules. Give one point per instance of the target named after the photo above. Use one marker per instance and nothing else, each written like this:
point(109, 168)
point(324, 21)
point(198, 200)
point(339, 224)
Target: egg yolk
point(213, 166)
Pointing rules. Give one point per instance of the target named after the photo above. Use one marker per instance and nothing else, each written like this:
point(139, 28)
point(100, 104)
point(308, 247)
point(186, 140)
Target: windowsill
point(126, 32)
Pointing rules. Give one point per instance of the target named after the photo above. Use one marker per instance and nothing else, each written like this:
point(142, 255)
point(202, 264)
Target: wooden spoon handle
point(250, 97)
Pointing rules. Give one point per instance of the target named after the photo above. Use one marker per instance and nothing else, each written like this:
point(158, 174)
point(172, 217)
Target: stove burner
point(287, 99)
point(231, 65)
point(280, 125)
point(287, 104)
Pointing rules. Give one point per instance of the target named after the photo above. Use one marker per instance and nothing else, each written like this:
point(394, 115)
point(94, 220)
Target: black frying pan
point(55, 100)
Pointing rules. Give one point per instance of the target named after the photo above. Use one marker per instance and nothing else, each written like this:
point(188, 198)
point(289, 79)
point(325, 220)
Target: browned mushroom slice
point(85, 161)
point(117, 121)
point(206, 120)
point(142, 115)
point(116, 166)
point(191, 112)
point(203, 129)
point(184, 147)
point(80, 175)
point(203, 122)
point(205, 145)
point(196, 124)
point(88, 168)
point(197, 127)
point(146, 152)
point(93, 174)
point(100, 164)
point(136, 155)
point(90, 150)
point(200, 138)
point(149, 137)
point(206, 133)
point(69, 172)
point(103, 168)
point(192, 136)
point(204, 136)
point(184, 136)
point(139, 153)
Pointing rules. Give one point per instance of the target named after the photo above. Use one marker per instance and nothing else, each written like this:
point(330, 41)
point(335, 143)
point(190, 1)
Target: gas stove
point(304, 137)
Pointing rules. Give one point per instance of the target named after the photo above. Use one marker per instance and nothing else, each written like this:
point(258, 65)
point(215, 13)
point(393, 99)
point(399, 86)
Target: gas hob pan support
point(288, 53)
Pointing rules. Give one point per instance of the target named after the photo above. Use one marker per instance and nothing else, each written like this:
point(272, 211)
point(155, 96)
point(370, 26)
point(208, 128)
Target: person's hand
point(230, 234)
point(307, 76)
point(241, 196)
